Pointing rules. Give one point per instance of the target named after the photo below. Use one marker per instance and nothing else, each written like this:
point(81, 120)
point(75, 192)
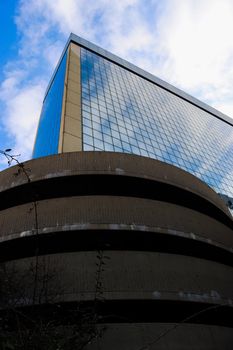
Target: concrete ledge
point(108, 163)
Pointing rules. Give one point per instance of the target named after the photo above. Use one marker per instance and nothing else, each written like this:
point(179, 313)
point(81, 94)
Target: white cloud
point(196, 39)
point(44, 27)
point(22, 108)
point(188, 43)
point(26, 106)
point(226, 107)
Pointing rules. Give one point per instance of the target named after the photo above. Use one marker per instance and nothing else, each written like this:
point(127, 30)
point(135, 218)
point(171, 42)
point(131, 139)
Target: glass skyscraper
point(97, 101)
point(104, 243)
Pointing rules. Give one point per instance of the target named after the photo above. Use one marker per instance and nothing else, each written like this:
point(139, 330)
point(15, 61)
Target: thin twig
point(21, 168)
point(163, 334)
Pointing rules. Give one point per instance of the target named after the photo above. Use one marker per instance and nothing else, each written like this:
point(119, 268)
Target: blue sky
point(185, 42)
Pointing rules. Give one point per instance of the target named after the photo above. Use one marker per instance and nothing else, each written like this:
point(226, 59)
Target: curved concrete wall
point(137, 275)
point(124, 212)
point(149, 239)
point(111, 163)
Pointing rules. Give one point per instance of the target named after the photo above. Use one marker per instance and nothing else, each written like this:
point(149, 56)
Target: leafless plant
point(24, 288)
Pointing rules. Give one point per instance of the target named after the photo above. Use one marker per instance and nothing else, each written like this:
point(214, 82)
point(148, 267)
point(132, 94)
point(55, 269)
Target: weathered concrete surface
point(66, 214)
point(113, 163)
point(176, 268)
point(163, 336)
point(136, 275)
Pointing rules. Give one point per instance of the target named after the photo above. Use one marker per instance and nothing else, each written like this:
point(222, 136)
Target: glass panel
point(49, 125)
point(147, 120)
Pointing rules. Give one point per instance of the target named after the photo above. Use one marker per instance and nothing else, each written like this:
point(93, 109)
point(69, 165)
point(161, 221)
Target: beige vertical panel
point(71, 124)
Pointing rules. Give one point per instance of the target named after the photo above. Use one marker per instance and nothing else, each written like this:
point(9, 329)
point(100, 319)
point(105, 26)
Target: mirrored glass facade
point(124, 109)
point(124, 112)
point(47, 138)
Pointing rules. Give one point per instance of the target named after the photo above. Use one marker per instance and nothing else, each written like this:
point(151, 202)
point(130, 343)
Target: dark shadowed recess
point(114, 185)
point(93, 240)
point(134, 311)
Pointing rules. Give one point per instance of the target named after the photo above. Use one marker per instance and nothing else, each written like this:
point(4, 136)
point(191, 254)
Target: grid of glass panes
point(123, 112)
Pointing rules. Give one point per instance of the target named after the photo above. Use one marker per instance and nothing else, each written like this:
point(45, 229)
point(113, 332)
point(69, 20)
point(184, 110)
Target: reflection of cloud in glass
point(128, 113)
point(48, 130)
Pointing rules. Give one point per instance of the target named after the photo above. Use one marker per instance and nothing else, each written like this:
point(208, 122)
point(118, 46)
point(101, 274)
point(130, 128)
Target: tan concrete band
point(70, 139)
point(78, 213)
point(163, 336)
point(109, 163)
point(136, 275)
